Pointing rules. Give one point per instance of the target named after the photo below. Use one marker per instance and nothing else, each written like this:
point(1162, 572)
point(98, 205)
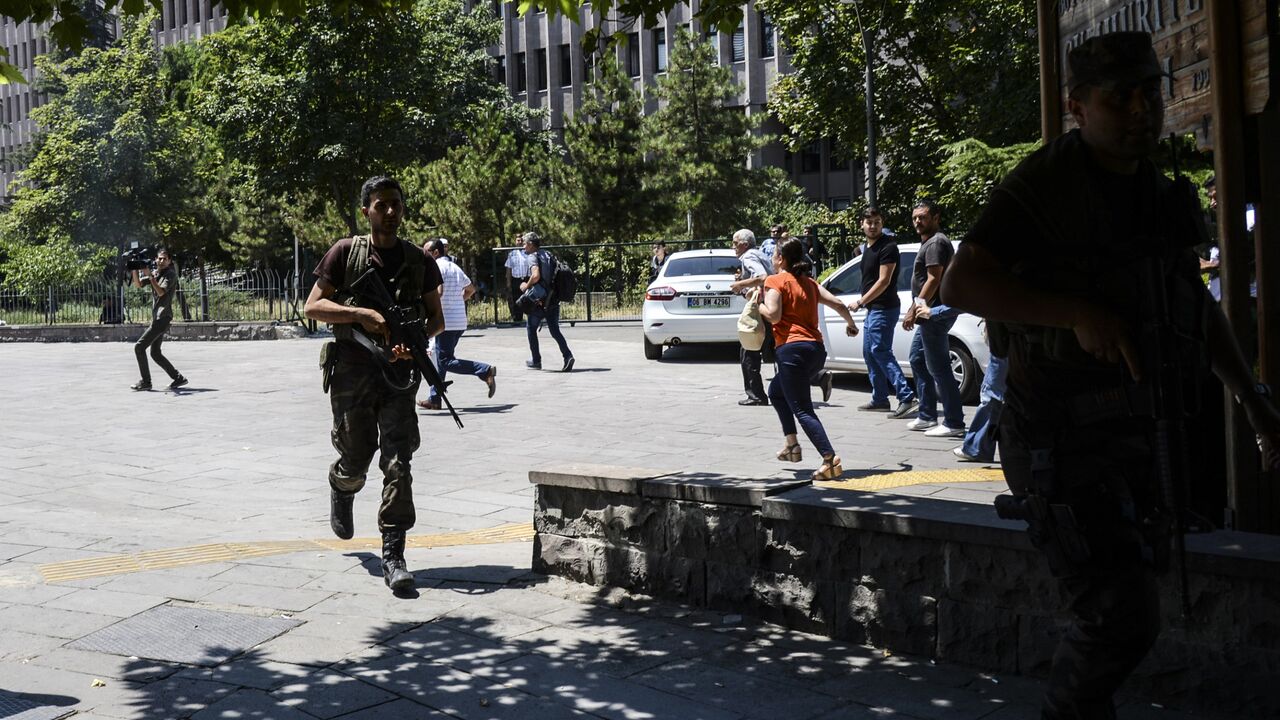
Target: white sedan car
point(969, 352)
point(690, 301)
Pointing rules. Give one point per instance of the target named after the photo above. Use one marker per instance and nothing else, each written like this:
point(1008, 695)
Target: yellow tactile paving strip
point(904, 478)
point(221, 552)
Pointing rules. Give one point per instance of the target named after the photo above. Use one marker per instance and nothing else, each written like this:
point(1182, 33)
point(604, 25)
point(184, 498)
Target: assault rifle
point(405, 330)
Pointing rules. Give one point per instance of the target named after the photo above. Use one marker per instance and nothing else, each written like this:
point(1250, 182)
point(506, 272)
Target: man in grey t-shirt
point(930, 355)
point(163, 284)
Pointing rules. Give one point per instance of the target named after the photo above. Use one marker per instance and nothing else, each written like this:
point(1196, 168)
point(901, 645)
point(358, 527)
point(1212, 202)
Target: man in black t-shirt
point(1068, 259)
point(163, 285)
point(880, 298)
point(369, 412)
point(931, 347)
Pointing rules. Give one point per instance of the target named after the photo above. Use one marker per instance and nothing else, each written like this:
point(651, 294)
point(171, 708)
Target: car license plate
point(708, 302)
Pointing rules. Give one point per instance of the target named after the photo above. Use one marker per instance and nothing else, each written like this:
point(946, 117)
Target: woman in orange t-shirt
point(790, 302)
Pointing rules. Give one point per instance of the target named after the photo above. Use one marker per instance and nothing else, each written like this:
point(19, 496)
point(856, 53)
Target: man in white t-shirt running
point(454, 293)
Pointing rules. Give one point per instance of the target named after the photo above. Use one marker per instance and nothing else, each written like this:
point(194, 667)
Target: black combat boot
point(394, 572)
point(340, 514)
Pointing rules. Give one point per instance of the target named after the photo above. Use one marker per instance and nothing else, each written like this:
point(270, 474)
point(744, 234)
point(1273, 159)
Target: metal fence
point(612, 278)
point(218, 296)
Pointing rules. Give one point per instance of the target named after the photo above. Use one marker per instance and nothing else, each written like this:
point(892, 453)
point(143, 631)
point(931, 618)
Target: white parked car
point(969, 352)
point(690, 301)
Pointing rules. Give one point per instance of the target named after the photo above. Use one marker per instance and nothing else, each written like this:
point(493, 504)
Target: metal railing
point(218, 296)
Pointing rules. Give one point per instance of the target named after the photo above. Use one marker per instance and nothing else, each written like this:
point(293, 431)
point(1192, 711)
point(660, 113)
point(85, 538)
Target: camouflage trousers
point(369, 416)
point(1111, 596)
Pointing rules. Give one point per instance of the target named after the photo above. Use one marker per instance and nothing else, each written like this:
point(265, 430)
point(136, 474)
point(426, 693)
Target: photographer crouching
point(164, 284)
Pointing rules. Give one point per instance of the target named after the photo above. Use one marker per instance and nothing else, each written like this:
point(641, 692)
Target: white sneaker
point(942, 431)
point(919, 424)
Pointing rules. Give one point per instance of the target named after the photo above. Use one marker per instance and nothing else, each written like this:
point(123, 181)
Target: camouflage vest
point(408, 282)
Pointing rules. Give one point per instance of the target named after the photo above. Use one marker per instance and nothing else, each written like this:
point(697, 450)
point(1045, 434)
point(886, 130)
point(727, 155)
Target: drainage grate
point(193, 636)
point(15, 708)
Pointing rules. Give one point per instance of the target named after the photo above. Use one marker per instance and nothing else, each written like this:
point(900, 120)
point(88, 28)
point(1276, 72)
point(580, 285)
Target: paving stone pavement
point(90, 469)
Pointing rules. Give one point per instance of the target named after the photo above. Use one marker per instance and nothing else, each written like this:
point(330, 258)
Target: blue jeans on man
point(550, 313)
point(980, 441)
point(877, 351)
point(447, 361)
point(931, 365)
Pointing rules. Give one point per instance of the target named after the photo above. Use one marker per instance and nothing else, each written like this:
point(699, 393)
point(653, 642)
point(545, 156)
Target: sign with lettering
point(1180, 31)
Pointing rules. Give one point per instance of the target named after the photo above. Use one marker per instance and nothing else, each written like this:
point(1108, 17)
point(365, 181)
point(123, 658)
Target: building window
point(588, 67)
point(522, 73)
point(834, 162)
point(500, 70)
point(739, 43)
point(713, 39)
point(542, 69)
point(633, 54)
point(660, 50)
point(811, 158)
point(566, 65)
point(839, 203)
point(767, 35)
point(498, 7)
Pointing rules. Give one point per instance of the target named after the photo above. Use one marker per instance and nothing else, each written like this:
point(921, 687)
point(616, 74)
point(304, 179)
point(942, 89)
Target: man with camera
point(373, 412)
point(164, 284)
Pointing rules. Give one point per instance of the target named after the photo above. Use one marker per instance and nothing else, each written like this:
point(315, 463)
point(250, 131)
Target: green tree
point(700, 145)
point(971, 169)
point(616, 198)
point(317, 104)
point(945, 71)
point(487, 189)
point(112, 163)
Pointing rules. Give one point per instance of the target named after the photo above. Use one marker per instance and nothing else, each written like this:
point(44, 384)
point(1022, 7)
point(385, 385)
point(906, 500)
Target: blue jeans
point(980, 441)
point(446, 361)
point(931, 364)
point(552, 315)
point(877, 350)
point(789, 391)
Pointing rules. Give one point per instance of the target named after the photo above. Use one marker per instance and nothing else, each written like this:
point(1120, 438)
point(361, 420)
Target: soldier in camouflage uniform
point(1063, 259)
point(372, 412)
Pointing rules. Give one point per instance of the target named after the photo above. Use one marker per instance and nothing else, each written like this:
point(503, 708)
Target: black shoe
point(492, 380)
point(177, 382)
point(753, 401)
point(873, 407)
point(827, 380)
point(394, 572)
point(904, 409)
point(568, 364)
point(533, 365)
point(340, 520)
point(141, 385)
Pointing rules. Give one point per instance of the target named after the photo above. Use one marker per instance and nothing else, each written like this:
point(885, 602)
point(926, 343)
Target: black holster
point(328, 361)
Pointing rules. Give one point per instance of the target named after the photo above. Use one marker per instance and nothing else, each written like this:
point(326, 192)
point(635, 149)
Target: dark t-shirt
point(162, 306)
point(936, 251)
point(332, 268)
point(1006, 230)
point(883, 252)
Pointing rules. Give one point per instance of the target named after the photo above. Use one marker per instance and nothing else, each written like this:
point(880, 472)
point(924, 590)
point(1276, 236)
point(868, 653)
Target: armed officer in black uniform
point(1078, 253)
point(371, 411)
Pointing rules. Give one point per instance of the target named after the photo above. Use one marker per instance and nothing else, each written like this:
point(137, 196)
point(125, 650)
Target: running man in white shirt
point(454, 293)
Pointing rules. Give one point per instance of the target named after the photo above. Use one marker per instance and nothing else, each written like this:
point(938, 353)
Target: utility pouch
point(1052, 528)
point(328, 360)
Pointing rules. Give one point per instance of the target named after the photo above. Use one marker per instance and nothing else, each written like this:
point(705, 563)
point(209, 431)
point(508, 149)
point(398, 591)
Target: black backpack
point(564, 283)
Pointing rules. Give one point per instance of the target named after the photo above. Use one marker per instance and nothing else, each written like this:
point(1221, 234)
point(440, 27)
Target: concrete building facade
point(541, 61)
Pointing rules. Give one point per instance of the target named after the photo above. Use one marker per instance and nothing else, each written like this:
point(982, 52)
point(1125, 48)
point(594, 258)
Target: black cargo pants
point(369, 416)
point(1103, 473)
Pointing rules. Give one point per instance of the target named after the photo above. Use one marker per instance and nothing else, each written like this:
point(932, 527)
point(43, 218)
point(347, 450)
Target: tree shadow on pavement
point(536, 647)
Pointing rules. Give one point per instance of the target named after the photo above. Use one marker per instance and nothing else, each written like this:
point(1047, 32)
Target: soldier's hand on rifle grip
point(1107, 337)
point(402, 352)
point(374, 324)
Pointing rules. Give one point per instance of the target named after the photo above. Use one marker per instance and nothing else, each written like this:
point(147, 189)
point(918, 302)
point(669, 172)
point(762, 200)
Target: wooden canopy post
point(1050, 72)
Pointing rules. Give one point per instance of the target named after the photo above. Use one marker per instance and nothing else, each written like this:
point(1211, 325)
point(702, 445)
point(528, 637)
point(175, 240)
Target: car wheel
point(652, 351)
point(965, 369)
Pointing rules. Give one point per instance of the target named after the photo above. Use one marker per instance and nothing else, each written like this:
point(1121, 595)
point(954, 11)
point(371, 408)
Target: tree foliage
point(971, 169)
point(316, 104)
point(614, 197)
point(700, 145)
point(945, 70)
point(113, 164)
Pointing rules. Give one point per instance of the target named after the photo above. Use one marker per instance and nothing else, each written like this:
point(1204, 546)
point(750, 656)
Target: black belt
point(1123, 401)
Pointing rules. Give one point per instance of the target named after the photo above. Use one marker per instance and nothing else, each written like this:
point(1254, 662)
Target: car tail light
point(660, 293)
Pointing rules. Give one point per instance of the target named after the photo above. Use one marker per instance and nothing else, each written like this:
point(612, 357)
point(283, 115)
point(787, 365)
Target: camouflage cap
point(1113, 59)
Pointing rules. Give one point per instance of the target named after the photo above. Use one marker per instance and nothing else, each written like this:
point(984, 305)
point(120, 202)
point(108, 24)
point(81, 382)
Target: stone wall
point(943, 579)
point(130, 332)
